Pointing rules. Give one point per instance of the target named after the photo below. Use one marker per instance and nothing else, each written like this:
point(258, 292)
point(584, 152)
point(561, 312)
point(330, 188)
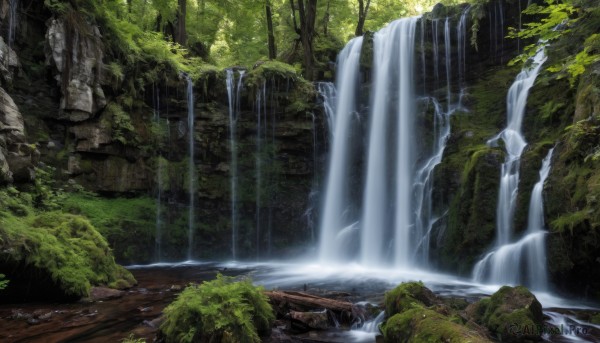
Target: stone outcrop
point(17, 157)
point(75, 51)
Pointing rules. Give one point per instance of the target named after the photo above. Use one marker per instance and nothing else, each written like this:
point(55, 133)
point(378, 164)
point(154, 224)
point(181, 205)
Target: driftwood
point(300, 301)
point(289, 304)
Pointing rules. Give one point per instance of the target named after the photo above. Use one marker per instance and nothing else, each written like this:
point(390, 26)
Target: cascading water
point(514, 143)
point(233, 96)
point(191, 166)
point(13, 19)
point(522, 262)
point(397, 207)
point(403, 247)
point(159, 181)
point(261, 124)
point(329, 94)
point(331, 249)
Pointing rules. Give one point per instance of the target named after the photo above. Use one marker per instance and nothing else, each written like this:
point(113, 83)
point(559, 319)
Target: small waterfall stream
point(514, 143)
point(233, 95)
point(191, 165)
point(159, 180)
point(522, 262)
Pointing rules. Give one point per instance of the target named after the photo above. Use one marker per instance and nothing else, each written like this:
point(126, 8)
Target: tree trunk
point(326, 18)
point(285, 303)
point(181, 34)
point(363, 10)
point(271, 35)
point(308, 14)
point(293, 8)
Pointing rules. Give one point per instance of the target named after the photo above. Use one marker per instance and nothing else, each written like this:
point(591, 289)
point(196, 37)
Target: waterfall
point(461, 36)
point(393, 51)
point(13, 19)
point(261, 125)
point(329, 93)
point(191, 166)
point(403, 247)
point(434, 33)
point(397, 216)
point(233, 96)
point(522, 262)
point(159, 177)
point(514, 144)
point(330, 248)
point(500, 264)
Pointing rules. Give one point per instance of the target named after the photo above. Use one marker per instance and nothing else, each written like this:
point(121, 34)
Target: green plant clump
point(218, 311)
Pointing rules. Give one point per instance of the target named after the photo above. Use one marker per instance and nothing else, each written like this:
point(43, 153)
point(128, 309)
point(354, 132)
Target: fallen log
point(286, 301)
point(300, 301)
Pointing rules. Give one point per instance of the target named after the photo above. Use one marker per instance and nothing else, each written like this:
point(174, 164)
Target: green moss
point(66, 247)
point(271, 69)
point(127, 223)
point(422, 325)
point(407, 296)
point(510, 306)
point(218, 311)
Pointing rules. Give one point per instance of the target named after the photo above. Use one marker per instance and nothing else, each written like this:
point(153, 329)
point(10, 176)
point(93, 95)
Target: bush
point(218, 311)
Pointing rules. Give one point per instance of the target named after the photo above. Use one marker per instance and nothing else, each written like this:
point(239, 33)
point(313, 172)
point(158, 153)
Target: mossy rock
point(511, 313)
point(64, 249)
point(407, 296)
point(218, 311)
point(423, 325)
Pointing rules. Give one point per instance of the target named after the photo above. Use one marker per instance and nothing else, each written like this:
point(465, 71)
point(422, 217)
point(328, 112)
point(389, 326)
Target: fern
point(218, 311)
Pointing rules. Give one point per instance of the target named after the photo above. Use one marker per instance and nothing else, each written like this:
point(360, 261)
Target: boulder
point(512, 314)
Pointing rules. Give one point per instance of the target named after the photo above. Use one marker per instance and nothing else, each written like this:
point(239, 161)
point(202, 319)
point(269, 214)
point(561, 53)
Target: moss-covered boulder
point(218, 311)
point(512, 314)
point(424, 325)
point(407, 296)
point(415, 314)
point(55, 255)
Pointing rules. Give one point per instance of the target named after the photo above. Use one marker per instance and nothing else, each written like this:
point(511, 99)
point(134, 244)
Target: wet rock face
point(17, 158)
point(76, 54)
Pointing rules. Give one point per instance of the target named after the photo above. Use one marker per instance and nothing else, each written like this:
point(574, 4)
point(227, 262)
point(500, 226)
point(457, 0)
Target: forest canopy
point(241, 32)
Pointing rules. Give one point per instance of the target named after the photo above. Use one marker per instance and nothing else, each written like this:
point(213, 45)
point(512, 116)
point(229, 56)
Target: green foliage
point(131, 339)
point(218, 311)
point(3, 281)
point(127, 223)
point(123, 130)
point(558, 18)
point(66, 247)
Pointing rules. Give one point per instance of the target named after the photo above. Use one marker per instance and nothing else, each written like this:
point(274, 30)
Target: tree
point(363, 10)
point(180, 32)
point(307, 10)
point(270, 34)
